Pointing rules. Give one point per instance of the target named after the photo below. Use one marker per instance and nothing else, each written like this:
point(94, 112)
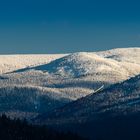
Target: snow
point(10, 63)
point(119, 99)
point(62, 78)
point(80, 64)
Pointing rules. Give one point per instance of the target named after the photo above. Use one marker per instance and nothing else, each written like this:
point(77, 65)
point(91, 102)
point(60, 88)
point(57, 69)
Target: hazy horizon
point(45, 53)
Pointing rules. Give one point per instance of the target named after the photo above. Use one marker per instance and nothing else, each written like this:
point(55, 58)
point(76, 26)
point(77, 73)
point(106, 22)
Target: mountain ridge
point(68, 76)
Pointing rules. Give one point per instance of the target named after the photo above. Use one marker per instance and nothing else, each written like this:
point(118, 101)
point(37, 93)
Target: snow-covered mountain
point(61, 78)
point(83, 64)
point(118, 100)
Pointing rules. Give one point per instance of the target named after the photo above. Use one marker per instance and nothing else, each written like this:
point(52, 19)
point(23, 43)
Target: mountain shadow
point(21, 130)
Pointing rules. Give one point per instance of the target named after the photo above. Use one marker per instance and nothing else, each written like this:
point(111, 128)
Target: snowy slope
point(119, 99)
point(122, 54)
point(90, 67)
point(10, 63)
point(82, 64)
point(64, 77)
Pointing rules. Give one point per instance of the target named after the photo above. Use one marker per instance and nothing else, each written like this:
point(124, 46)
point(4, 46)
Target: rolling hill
point(60, 79)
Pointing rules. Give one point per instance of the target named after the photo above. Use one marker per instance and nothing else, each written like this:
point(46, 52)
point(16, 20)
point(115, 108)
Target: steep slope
point(119, 99)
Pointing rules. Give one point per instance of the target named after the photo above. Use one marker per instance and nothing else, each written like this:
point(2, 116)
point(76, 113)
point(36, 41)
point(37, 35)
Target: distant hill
point(32, 85)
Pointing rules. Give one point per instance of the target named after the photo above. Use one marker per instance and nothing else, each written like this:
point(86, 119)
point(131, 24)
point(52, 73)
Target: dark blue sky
point(61, 26)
